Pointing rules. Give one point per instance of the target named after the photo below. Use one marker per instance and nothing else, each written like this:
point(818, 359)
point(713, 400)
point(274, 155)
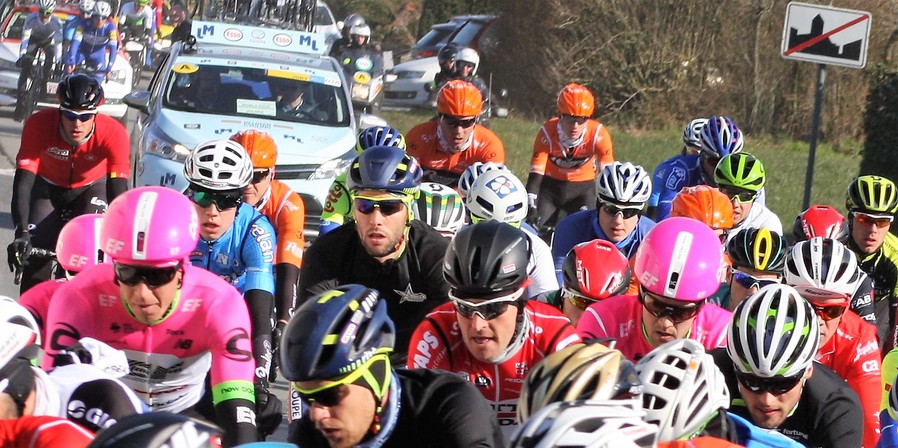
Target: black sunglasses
point(387, 206)
point(574, 119)
point(329, 397)
point(152, 277)
point(454, 122)
point(739, 194)
point(777, 385)
point(748, 281)
point(259, 176)
point(223, 201)
point(626, 213)
point(660, 309)
point(72, 115)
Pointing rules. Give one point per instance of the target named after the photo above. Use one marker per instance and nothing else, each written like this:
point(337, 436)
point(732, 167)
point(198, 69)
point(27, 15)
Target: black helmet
point(159, 429)
point(759, 249)
point(386, 168)
point(486, 259)
point(79, 92)
point(335, 334)
point(447, 55)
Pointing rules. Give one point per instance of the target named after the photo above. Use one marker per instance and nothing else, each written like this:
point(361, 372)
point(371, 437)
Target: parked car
point(431, 43)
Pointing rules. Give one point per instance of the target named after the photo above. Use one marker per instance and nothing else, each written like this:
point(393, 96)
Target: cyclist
point(826, 274)
point(741, 177)
point(285, 211)
point(474, 171)
point(678, 266)
point(568, 151)
point(706, 204)
point(174, 321)
point(340, 44)
point(41, 431)
point(86, 10)
point(77, 249)
point(772, 377)
point(42, 30)
point(592, 271)
point(160, 430)
point(500, 196)
point(338, 206)
point(490, 334)
point(622, 190)
point(579, 371)
point(597, 424)
point(686, 395)
point(454, 141)
point(71, 161)
point(337, 349)
point(95, 43)
point(440, 207)
point(237, 243)
point(692, 136)
point(137, 18)
point(889, 415)
point(384, 248)
point(719, 137)
point(871, 203)
point(757, 258)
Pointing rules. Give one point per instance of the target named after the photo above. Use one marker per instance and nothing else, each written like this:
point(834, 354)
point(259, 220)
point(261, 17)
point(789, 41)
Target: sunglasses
point(776, 386)
point(739, 195)
point(328, 397)
point(660, 309)
point(454, 122)
point(828, 312)
point(877, 220)
point(749, 281)
point(578, 300)
point(223, 201)
point(387, 207)
point(574, 119)
point(152, 277)
point(626, 213)
point(487, 310)
point(46, 12)
point(259, 176)
point(73, 116)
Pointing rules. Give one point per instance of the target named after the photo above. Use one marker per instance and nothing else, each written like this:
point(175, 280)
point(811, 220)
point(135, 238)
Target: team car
point(228, 78)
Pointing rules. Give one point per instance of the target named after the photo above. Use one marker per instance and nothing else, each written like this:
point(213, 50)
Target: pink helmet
point(150, 226)
point(78, 246)
point(680, 258)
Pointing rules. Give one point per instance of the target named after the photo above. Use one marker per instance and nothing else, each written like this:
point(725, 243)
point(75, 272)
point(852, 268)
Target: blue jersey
point(244, 255)
point(888, 438)
point(752, 436)
point(670, 177)
point(89, 39)
point(68, 29)
point(584, 226)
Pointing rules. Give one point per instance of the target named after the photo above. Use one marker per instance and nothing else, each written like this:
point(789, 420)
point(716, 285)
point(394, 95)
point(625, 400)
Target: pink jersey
point(620, 318)
point(37, 301)
point(437, 344)
point(209, 328)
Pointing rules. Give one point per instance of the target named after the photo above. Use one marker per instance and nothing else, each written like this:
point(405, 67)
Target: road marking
point(7, 171)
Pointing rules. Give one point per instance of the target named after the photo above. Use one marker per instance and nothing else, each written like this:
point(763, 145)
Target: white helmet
point(470, 56)
point(13, 313)
point(219, 165)
point(692, 133)
point(822, 268)
point(774, 332)
point(87, 6)
point(47, 5)
point(102, 9)
point(440, 207)
point(18, 331)
point(682, 388)
point(624, 184)
point(593, 424)
point(498, 195)
point(472, 172)
point(361, 30)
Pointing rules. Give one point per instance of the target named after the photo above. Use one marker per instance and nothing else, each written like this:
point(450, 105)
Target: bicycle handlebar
point(35, 252)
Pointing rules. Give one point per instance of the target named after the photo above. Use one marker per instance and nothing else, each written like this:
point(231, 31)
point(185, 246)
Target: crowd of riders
point(446, 301)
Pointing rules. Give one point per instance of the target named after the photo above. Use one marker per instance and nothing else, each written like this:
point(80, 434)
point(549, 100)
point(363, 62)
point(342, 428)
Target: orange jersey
point(424, 145)
point(553, 160)
point(287, 214)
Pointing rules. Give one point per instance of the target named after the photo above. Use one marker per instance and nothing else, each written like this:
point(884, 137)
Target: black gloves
point(268, 412)
point(276, 334)
point(17, 252)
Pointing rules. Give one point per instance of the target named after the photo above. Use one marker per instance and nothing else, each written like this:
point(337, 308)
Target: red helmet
point(820, 220)
point(576, 100)
point(596, 269)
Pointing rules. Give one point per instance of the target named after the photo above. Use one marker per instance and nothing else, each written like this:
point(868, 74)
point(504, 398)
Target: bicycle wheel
point(36, 85)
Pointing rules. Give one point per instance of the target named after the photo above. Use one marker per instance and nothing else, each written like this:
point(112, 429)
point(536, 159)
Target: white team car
point(231, 79)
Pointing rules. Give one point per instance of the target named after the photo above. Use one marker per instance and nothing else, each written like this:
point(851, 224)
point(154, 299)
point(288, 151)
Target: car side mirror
point(139, 100)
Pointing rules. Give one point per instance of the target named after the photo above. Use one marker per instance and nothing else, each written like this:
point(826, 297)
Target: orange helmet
point(460, 98)
point(260, 147)
point(576, 100)
point(706, 204)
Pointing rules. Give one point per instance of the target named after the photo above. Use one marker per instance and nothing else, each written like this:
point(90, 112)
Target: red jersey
point(44, 152)
point(577, 164)
point(437, 344)
point(424, 145)
point(287, 214)
point(33, 431)
point(853, 353)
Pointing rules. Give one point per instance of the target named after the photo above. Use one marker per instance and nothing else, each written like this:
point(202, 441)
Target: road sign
point(826, 35)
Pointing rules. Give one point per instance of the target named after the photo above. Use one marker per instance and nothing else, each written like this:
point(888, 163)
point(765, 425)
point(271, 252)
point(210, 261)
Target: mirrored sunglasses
point(578, 300)
point(749, 281)
point(223, 201)
point(828, 312)
point(455, 122)
point(625, 213)
point(73, 116)
point(880, 221)
point(777, 385)
point(387, 207)
point(152, 277)
point(661, 309)
point(740, 195)
point(488, 309)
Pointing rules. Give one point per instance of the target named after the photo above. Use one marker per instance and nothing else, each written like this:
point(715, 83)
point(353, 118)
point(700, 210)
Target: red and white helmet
point(596, 269)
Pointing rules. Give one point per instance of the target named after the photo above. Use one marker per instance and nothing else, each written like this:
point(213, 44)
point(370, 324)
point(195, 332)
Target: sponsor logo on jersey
point(410, 296)
point(58, 153)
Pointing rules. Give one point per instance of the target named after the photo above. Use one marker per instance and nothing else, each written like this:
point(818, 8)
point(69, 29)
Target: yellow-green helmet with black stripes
point(872, 194)
point(741, 170)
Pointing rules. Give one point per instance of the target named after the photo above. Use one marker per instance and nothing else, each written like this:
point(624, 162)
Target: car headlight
point(361, 92)
point(410, 75)
point(334, 167)
point(162, 146)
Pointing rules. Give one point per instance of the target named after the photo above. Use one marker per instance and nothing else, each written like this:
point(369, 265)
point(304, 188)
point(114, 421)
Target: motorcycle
point(364, 69)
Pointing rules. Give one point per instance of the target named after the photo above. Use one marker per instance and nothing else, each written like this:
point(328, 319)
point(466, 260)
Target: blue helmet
point(335, 334)
point(379, 136)
point(721, 137)
point(385, 168)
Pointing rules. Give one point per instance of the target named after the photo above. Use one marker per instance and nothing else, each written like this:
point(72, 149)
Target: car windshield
point(437, 34)
point(322, 18)
point(466, 34)
point(256, 92)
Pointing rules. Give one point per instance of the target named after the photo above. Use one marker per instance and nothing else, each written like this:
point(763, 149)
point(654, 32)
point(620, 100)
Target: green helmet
point(741, 170)
point(872, 194)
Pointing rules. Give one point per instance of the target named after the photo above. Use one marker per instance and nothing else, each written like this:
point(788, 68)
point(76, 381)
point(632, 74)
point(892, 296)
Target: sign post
point(826, 36)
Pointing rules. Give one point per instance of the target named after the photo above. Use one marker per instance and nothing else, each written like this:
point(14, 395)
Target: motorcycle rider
point(340, 44)
point(41, 30)
point(360, 55)
point(446, 58)
point(466, 64)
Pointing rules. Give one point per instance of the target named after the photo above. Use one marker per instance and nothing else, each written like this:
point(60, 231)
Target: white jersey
point(759, 217)
point(130, 12)
point(541, 268)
